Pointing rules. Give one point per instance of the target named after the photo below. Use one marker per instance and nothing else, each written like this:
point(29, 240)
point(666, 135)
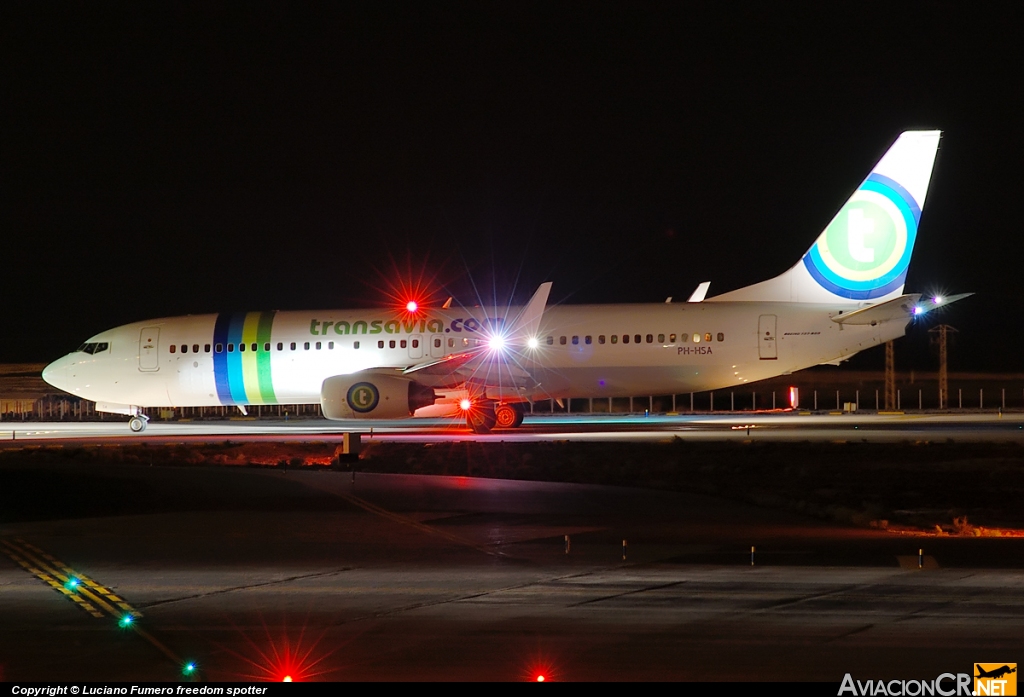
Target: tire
point(137, 424)
point(509, 416)
point(481, 418)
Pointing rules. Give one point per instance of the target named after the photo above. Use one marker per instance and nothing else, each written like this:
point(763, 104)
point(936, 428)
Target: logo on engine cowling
point(363, 397)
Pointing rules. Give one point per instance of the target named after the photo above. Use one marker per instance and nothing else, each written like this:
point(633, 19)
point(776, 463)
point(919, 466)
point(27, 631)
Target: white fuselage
point(582, 351)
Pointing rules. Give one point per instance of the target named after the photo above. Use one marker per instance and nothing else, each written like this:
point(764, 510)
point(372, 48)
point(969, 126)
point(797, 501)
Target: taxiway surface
point(255, 574)
point(782, 427)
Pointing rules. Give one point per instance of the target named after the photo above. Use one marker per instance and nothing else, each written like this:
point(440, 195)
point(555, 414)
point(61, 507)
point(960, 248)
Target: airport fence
point(858, 392)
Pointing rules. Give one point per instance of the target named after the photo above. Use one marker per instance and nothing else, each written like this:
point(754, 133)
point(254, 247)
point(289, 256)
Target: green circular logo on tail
point(865, 251)
point(363, 397)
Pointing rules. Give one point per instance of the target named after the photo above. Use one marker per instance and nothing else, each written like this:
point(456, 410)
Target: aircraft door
point(767, 346)
point(149, 349)
point(437, 346)
point(416, 346)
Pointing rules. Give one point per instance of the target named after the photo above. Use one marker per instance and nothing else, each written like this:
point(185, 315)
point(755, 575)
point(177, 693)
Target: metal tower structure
point(940, 336)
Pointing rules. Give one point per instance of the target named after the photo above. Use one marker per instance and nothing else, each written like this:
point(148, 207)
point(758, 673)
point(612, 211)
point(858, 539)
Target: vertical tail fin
point(865, 251)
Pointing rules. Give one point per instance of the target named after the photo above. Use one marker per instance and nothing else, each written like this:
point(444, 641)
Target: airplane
point(485, 364)
point(995, 673)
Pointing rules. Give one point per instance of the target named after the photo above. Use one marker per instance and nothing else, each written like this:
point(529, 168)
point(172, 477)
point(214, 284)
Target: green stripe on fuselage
point(266, 380)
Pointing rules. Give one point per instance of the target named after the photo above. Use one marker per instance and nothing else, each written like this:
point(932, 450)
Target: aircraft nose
point(56, 373)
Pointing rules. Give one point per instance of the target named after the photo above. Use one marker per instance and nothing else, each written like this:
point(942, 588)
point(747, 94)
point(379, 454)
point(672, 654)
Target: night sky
point(192, 159)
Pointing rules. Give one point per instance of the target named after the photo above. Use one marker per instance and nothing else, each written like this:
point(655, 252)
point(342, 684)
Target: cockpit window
point(94, 347)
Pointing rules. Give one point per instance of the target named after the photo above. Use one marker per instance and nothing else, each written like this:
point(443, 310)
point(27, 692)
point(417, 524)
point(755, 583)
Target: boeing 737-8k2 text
point(843, 296)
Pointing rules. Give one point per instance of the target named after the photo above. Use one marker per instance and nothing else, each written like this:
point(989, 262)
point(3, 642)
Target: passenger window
point(451, 343)
point(318, 345)
point(437, 343)
point(707, 337)
point(650, 338)
point(231, 348)
point(625, 338)
point(330, 345)
point(550, 341)
point(355, 344)
point(403, 343)
point(292, 346)
point(241, 347)
point(671, 338)
point(280, 346)
point(588, 341)
point(575, 341)
point(254, 347)
point(305, 346)
point(721, 336)
point(266, 346)
point(661, 338)
point(173, 349)
point(465, 341)
point(391, 344)
point(415, 343)
point(561, 340)
point(206, 348)
point(219, 348)
point(636, 338)
point(184, 348)
point(600, 338)
point(195, 348)
point(380, 344)
point(696, 338)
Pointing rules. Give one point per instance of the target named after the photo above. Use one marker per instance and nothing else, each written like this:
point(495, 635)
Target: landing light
point(533, 343)
point(937, 300)
point(918, 310)
point(496, 343)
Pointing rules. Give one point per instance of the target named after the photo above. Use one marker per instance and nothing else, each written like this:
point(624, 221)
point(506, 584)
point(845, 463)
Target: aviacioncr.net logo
point(865, 250)
point(363, 397)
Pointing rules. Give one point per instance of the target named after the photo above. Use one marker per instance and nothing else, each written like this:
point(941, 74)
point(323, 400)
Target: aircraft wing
point(500, 364)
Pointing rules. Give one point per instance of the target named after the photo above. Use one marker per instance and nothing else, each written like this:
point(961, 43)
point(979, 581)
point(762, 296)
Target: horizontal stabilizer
point(900, 308)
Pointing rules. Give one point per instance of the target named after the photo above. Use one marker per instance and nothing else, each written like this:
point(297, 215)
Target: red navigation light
point(286, 678)
point(540, 678)
point(412, 306)
point(465, 404)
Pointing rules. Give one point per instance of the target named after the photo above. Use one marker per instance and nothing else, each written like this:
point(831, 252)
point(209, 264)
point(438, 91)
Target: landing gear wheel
point(509, 415)
point(481, 418)
point(137, 424)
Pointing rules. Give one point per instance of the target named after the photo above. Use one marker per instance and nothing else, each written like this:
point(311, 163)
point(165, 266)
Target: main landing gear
point(482, 417)
point(509, 415)
point(138, 423)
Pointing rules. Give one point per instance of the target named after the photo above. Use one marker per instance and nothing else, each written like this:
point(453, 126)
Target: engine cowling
point(372, 396)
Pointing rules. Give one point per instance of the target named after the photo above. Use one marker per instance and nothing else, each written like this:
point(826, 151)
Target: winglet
point(698, 295)
point(528, 323)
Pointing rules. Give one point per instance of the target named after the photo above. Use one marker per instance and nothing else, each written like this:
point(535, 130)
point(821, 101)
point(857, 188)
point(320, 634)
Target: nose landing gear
point(138, 423)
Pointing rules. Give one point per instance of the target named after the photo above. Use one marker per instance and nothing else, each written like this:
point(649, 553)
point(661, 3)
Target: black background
point(171, 159)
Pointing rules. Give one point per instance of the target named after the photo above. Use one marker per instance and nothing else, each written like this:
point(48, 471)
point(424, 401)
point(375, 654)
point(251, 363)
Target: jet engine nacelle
point(372, 396)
